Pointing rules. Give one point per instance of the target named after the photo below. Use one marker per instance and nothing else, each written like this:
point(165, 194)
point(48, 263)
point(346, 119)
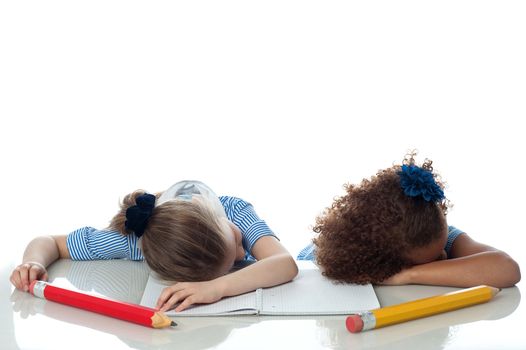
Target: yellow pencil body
point(433, 305)
point(419, 308)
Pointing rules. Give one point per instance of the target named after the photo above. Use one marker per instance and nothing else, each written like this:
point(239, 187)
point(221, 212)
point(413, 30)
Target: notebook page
point(310, 293)
point(239, 305)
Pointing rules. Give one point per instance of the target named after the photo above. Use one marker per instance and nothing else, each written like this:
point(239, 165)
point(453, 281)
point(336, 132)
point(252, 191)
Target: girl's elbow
point(516, 273)
point(513, 271)
point(292, 268)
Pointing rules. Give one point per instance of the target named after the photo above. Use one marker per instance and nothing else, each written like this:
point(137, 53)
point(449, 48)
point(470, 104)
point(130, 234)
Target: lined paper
point(310, 293)
point(313, 294)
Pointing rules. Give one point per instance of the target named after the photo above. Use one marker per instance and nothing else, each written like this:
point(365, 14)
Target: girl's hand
point(188, 293)
point(26, 273)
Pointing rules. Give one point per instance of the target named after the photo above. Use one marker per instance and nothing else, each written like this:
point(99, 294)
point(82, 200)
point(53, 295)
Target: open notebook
point(309, 293)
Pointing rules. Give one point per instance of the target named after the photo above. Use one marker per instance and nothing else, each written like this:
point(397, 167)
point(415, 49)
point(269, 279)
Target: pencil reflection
point(189, 332)
point(434, 331)
point(125, 281)
point(27, 306)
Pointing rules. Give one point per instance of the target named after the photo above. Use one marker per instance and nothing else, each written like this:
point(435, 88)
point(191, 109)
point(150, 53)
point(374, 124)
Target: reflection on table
point(125, 280)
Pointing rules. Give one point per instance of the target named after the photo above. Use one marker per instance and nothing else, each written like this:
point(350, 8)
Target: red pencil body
point(121, 310)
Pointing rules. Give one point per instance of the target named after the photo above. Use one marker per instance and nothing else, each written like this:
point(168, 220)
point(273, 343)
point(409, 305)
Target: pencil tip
point(495, 291)
point(173, 324)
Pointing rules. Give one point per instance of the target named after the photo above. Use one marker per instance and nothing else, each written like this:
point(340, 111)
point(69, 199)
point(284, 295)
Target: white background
point(277, 102)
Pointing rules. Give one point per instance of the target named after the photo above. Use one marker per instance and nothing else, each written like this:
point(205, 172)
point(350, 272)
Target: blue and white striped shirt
point(309, 252)
point(88, 243)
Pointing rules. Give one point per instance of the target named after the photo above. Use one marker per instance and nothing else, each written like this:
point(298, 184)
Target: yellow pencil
point(411, 310)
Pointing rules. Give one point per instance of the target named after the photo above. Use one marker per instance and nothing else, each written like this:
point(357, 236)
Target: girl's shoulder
point(452, 234)
point(238, 209)
point(233, 202)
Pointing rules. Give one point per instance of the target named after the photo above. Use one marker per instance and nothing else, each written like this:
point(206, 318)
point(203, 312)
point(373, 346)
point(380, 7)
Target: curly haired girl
point(392, 229)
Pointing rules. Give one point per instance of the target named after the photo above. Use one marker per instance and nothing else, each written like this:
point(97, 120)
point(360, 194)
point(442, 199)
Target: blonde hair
point(183, 240)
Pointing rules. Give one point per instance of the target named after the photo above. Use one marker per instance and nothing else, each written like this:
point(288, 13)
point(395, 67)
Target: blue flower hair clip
point(137, 216)
point(419, 182)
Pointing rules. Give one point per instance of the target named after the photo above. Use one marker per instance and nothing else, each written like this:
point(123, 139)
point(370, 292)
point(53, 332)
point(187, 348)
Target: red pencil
point(125, 311)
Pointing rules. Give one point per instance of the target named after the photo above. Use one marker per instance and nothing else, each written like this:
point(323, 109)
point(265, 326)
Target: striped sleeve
point(307, 253)
point(243, 215)
point(88, 243)
point(452, 234)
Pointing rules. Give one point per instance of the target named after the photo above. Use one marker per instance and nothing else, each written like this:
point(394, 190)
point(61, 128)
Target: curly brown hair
point(364, 236)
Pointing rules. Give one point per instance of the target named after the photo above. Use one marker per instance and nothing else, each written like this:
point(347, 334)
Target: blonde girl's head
point(182, 240)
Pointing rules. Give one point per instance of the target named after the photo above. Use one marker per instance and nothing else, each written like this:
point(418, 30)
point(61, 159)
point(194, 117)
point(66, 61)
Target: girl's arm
point(39, 254)
point(274, 266)
point(471, 264)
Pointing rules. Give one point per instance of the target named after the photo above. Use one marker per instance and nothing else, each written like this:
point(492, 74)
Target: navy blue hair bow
point(419, 182)
point(137, 216)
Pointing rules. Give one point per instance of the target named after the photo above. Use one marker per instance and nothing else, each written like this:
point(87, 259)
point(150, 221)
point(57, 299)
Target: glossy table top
point(32, 323)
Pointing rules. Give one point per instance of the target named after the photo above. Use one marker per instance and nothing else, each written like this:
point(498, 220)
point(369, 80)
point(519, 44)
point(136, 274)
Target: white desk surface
point(32, 323)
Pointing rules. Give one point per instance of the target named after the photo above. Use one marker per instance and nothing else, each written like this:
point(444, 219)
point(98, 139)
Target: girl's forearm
point(42, 250)
point(494, 268)
point(267, 272)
